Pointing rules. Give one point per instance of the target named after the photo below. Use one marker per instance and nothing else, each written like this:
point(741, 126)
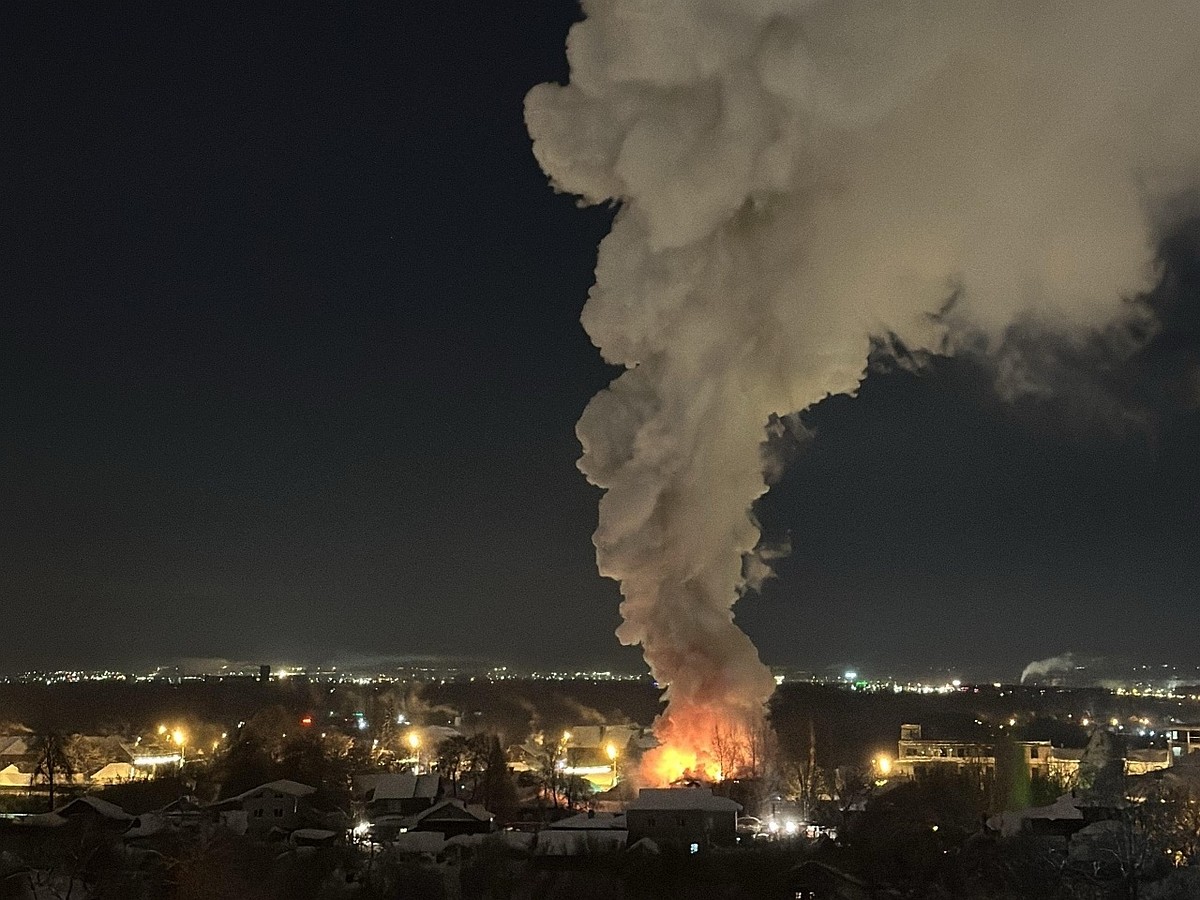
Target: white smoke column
point(796, 175)
point(1040, 668)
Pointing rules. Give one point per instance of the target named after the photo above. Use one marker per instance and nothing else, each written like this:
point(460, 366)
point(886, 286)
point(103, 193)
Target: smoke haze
point(1040, 668)
point(795, 176)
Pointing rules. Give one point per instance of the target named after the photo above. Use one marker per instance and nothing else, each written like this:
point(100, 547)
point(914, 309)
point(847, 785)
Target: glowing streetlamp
point(178, 737)
point(611, 752)
point(883, 764)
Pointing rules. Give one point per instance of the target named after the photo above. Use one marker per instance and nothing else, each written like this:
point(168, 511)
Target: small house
point(399, 794)
point(453, 817)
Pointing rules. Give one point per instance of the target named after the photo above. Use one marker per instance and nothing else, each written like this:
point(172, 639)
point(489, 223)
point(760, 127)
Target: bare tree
point(803, 778)
point(729, 750)
point(762, 750)
point(50, 749)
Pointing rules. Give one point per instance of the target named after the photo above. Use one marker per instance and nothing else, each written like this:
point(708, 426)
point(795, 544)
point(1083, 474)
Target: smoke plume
point(1040, 668)
point(795, 176)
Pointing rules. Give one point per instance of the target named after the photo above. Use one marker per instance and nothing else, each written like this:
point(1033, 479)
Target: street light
point(611, 752)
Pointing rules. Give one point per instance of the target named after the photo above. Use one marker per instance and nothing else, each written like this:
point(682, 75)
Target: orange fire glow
point(695, 744)
point(667, 764)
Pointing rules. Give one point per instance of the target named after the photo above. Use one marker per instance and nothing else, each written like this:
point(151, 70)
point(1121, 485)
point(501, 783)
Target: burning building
point(794, 177)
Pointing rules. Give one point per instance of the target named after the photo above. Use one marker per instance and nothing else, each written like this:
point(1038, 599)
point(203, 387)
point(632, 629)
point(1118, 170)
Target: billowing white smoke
point(796, 175)
point(1040, 668)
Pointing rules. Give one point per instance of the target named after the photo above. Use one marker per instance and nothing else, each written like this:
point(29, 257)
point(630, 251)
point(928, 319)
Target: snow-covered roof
point(115, 771)
point(1149, 755)
point(148, 825)
point(584, 822)
point(14, 745)
point(514, 840)
point(404, 787)
point(313, 834)
point(599, 736)
point(1010, 822)
point(43, 820)
point(418, 842)
point(1184, 775)
point(454, 808)
point(11, 776)
point(579, 843)
point(645, 845)
point(682, 799)
point(96, 805)
point(282, 786)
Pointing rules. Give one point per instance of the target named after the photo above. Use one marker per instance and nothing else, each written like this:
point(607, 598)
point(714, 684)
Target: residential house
point(585, 834)
point(284, 805)
point(14, 747)
point(814, 880)
point(115, 773)
point(94, 811)
point(595, 752)
point(12, 776)
point(688, 818)
point(398, 794)
point(453, 817)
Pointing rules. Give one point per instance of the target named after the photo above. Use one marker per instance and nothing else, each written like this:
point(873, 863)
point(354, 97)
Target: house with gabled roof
point(282, 804)
point(14, 745)
point(688, 818)
point(402, 794)
point(453, 817)
point(96, 811)
point(12, 776)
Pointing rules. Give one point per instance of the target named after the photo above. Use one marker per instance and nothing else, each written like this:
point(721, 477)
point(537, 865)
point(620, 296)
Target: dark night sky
point(291, 361)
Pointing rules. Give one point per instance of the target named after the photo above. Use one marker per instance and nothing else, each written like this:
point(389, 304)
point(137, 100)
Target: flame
point(694, 744)
point(667, 764)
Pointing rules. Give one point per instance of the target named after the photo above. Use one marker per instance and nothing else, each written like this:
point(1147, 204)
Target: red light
point(306, 721)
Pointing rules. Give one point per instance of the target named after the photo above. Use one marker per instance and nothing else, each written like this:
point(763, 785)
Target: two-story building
point(1183, 739)
point(282, 805)
point(916, 755)
point(686, 818)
